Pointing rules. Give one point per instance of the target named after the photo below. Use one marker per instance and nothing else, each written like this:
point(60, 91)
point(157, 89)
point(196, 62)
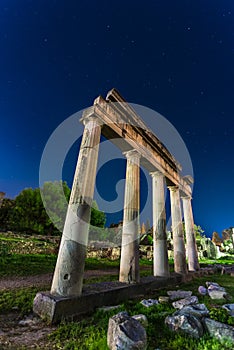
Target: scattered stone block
point(219, 330)
point(178, 294)
point(197, 310)
point(202, 290)
point(149, 302)
point(125, 332)
point(217, 294)
point(185, 323)
point(179, 304)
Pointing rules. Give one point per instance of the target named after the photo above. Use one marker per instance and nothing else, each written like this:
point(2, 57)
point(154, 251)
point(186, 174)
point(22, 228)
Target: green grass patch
point(20, 300)
point(26, 264)
point(91, 332)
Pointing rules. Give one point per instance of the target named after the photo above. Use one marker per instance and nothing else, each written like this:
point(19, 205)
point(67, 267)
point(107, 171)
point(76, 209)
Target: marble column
point(177, 231)
point(161, 267)
point(191, 246)
point(69, 271)
point(129, 261)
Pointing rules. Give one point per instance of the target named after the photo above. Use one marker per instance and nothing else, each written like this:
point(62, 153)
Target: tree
point(98, 218)
point(42, 211)
point(6, 211)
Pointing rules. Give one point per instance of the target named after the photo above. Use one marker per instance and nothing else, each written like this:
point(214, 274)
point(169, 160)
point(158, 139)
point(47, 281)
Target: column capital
point(132, 154)
point(174, 188)
point(91, 118)
point(156, 173)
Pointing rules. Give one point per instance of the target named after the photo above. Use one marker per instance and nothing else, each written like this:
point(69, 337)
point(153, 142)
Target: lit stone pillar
point(161, 267)
point(177, 231)
point(191, 246)
point(69, 271)
point(129, 262)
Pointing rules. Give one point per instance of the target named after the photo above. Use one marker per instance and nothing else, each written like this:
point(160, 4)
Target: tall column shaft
point(69, 271)
point(191, 246)
point(161, 267)
point(129, 262)
point(177, 230)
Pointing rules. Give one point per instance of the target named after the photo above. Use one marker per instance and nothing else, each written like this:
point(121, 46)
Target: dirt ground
point(30, 332)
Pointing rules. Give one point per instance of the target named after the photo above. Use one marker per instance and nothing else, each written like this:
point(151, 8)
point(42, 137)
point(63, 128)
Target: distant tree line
point(26, 213)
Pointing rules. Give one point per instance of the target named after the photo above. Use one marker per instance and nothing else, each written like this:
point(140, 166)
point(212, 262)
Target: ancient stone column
point(177, 231)
point(68, 275)
point(129, 262)
point(191, 246)
point(161, 267)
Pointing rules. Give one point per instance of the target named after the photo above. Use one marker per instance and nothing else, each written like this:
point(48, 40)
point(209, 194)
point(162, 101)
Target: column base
point(54, 309)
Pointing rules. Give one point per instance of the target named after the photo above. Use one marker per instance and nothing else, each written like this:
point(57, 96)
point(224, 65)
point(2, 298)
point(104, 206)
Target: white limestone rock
point(179, 304)
point(125, 332)
point(178, 294)
point(219, 330)
point(185, 323)
point(149, 302)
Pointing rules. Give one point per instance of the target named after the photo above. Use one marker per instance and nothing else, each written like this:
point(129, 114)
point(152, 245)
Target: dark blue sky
point(175, 57)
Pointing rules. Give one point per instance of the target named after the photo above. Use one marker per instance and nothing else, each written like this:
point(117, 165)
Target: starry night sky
point(175, 57)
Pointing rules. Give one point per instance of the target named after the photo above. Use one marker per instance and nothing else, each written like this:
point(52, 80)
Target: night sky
point(175, 57)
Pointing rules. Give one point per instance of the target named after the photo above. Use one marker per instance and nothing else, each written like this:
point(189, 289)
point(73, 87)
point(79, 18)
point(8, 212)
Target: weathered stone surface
point(218, 330)
point(185, 323)
point(217, 294)
point(129, 261)
point(229, 308)
point(124, 332)
point(202, 290)
point(214, 286)
point(178, 294)
point(197, 310)
point(149, 302)
point(179, 304)
point(142, 319)
point(108, 308)
point(215, 291)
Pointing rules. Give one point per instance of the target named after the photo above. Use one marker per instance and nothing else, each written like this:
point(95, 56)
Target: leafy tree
point(6, 211)
point(28, 212)
point(98, 218)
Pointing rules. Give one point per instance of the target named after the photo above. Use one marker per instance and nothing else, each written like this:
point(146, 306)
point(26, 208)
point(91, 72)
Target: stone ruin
point(115, 119)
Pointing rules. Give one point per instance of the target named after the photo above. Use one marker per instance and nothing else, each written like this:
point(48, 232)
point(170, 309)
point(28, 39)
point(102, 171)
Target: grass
point(91, 332)
point(26, 264)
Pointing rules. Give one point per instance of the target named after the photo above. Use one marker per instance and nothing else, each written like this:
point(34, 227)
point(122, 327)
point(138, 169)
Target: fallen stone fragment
point(217, 294)
point(178, 294)
point(179, 304)
point(125, 332)
point(149, 302)
point(214, 286)
point(163, 300)
point(229, 308)
point(202, 290)
point(142, 319)
point(219, 330)
point(186, 324)
point(197, 310)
